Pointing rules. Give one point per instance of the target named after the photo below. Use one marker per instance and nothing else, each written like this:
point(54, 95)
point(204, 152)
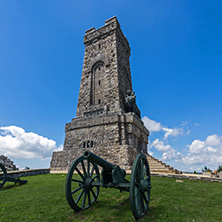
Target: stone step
point(164, 171)
point(157, 163)
point(159, 166)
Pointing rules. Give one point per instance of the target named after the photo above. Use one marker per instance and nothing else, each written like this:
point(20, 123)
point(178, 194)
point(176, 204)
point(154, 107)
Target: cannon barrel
point(99, 161)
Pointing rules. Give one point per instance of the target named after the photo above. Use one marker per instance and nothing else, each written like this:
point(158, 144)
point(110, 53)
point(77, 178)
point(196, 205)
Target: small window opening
point(99, 101)
point(99, 68)
point(99, 46)
point(99, 82)
point(87, 144)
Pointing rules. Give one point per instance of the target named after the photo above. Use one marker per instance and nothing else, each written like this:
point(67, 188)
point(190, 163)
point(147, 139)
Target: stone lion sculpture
point(130, 101)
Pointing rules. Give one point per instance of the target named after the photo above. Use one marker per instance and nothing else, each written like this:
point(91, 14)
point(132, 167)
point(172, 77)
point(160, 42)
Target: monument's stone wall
point(106, 130)
point(119, 155)
point(117, 138)
point(103, 124)
point(106, 72)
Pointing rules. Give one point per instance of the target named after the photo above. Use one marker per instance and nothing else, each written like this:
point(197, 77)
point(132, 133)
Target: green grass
point(43, 199)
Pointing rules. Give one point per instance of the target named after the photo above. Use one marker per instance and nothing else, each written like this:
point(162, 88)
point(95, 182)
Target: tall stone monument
point(107, 119)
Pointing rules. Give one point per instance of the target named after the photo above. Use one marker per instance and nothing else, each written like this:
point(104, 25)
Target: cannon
point(4, 177)
point(83, 182)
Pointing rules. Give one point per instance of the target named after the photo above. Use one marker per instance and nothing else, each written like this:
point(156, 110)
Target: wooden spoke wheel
point(140, 185)
point(80, 192)
point(3, 175)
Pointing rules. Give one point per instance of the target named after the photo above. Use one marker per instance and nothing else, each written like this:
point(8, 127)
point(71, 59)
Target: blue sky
point(176, 67)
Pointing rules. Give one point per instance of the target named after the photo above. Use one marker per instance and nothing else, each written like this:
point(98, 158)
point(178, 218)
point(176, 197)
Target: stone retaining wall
point(25, 173)
point(184, 176)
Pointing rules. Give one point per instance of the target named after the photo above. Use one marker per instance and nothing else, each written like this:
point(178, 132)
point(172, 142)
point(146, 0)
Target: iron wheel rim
point(80, 185)
point(2, 176)
point(140, 185)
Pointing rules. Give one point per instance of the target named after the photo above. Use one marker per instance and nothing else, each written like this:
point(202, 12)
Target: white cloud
point(210, 149)
point(213, 140)
point(196, 146)
point(152, 125)
point(159, 145)
point(169, 155)
point(198, 152)
point(16, 143)
point(168, 152)
point(60, 148)
point(172, 132)
point(207, 152)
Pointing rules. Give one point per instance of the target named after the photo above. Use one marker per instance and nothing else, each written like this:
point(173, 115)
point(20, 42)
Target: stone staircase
point(157, 166)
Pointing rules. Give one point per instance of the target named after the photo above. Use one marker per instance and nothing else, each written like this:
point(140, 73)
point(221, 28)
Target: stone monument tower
point(107, 119)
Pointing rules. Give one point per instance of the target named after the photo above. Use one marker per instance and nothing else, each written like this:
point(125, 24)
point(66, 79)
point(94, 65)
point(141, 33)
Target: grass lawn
point(43, 199)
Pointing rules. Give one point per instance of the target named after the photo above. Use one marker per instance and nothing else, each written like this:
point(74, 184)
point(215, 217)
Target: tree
point(205, 169)
point(219, 168)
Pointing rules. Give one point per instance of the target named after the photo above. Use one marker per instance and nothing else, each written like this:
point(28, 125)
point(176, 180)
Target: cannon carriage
point(5, 177)
point(83, 182)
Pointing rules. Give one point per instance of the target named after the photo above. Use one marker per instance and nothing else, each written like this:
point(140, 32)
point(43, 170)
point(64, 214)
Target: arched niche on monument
point(125, 84)
point(97, 83)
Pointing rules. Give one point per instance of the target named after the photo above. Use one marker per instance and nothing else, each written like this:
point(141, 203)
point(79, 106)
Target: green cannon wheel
point(80, 193)
point(3, 175)
point(140, 185)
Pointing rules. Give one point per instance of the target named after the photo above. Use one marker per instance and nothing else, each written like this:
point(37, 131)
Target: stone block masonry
point(103, 124)
point(25, 173)
point(8, 164)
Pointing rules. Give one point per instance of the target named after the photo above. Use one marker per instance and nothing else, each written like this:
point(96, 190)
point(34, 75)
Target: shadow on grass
point(117, 207)
point(112, 204)
point(7, 187)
